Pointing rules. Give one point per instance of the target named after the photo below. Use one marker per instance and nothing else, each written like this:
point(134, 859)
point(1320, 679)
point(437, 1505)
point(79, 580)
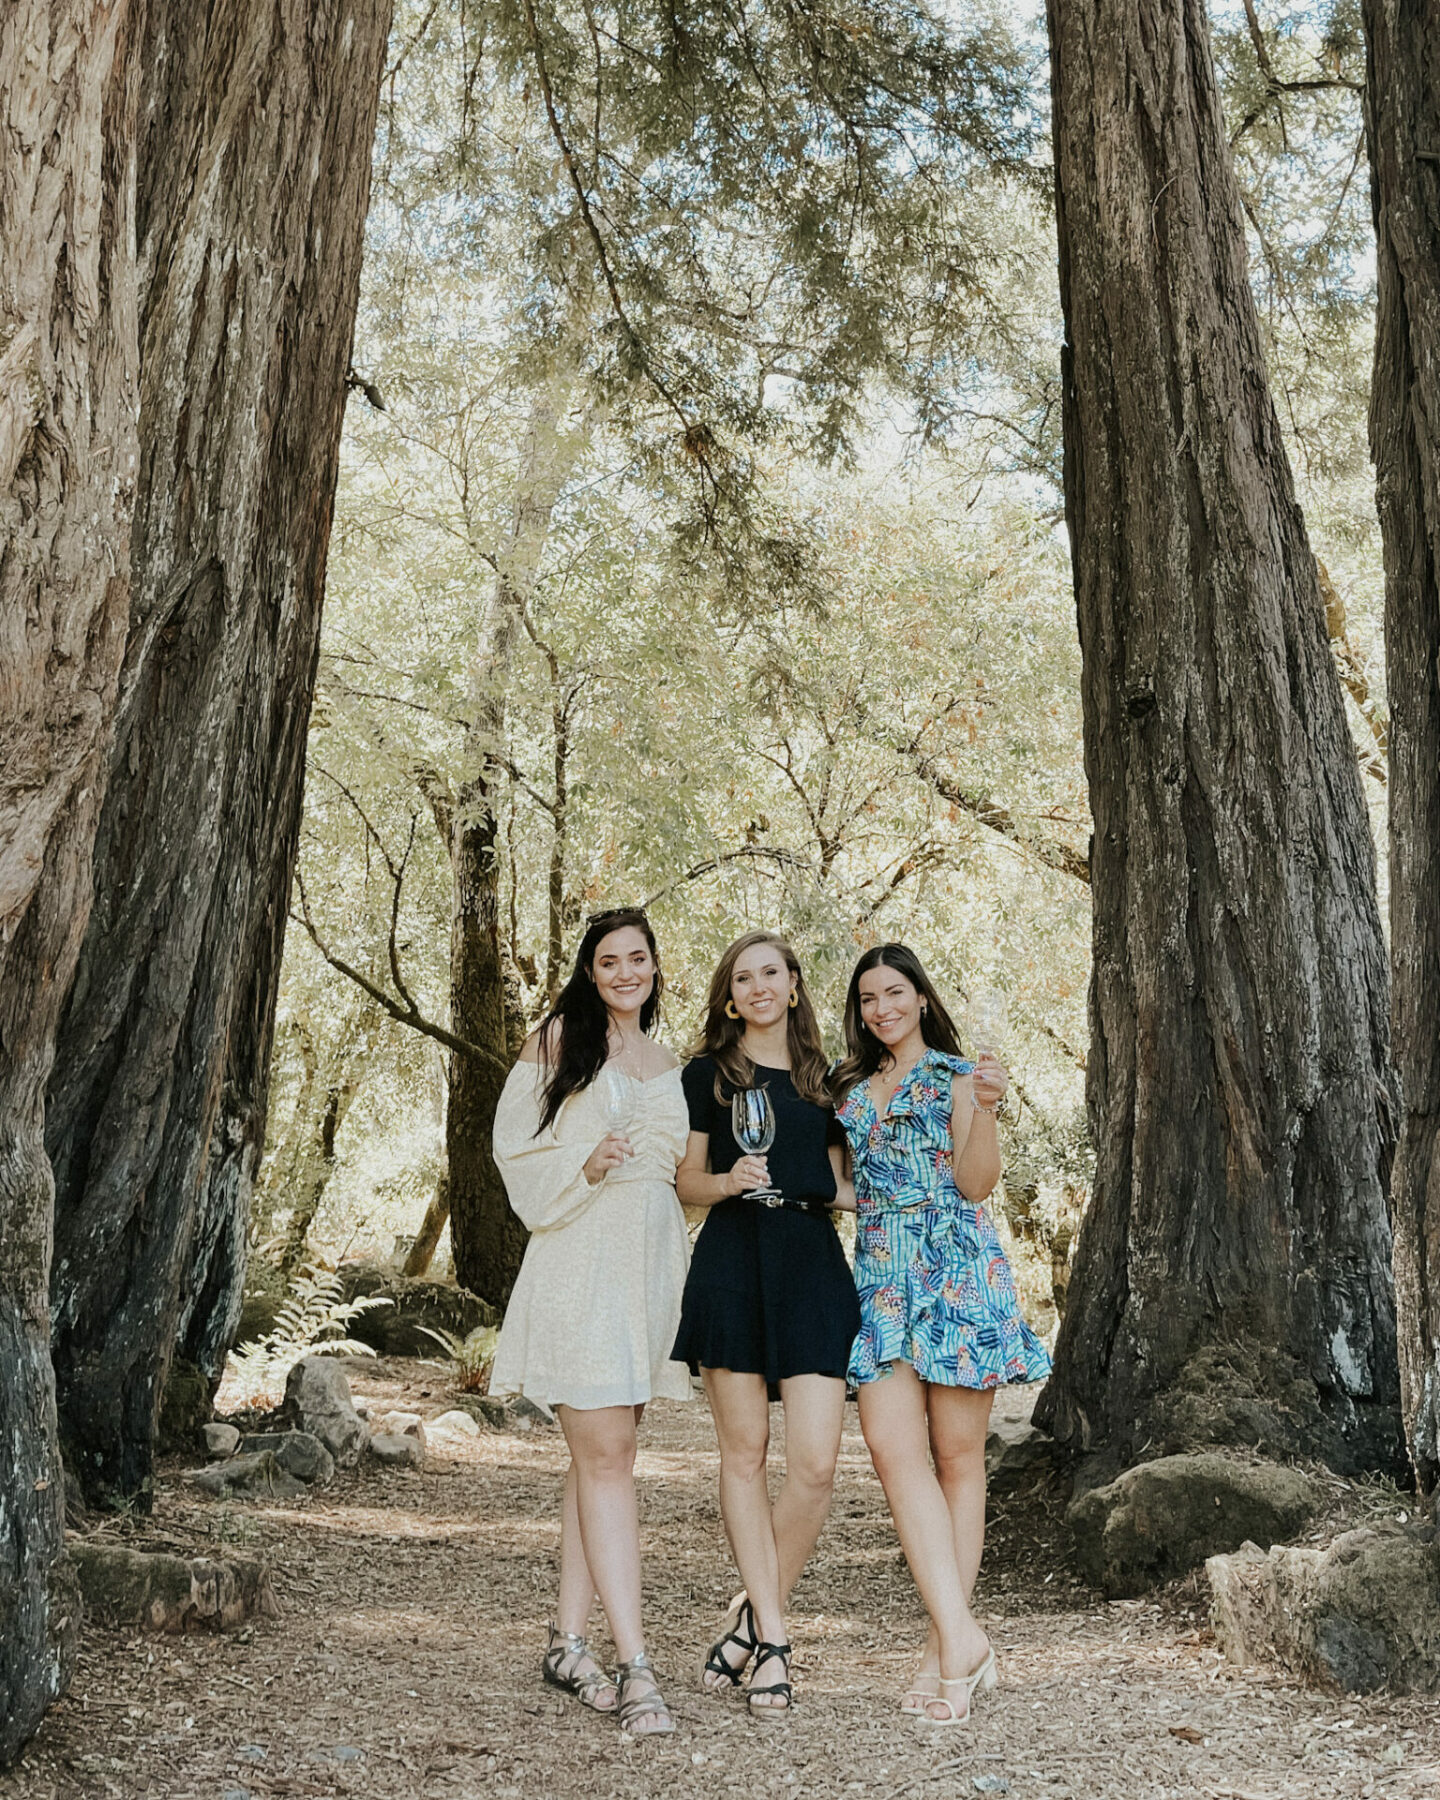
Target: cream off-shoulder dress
point(593, 1314)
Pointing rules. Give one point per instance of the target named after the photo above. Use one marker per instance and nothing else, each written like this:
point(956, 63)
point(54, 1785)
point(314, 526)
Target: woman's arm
point(844, 1200)
point(974, 1139)
point(696, 1186)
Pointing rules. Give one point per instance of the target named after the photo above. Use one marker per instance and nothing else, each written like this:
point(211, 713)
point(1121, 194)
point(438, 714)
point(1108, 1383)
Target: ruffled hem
point(1001, 1353)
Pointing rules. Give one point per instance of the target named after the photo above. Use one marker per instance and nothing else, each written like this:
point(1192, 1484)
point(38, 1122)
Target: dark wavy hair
point(864, 1053)
point(720, 1036)
point(575, 1033)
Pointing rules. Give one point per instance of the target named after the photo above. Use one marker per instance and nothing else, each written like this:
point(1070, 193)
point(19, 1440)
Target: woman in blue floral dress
point(940, 1322)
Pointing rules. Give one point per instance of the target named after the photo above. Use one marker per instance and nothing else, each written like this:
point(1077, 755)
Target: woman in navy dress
point(940, 1321)
point(770, 1305)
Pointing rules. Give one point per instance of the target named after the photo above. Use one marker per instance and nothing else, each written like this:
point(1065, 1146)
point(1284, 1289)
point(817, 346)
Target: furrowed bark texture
point(68, 397)
point(253, 179)
point(1239, 1086)
point(1402, 116)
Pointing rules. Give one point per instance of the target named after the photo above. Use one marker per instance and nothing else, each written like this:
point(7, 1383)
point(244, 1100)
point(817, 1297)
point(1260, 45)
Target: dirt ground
point(406, 1659)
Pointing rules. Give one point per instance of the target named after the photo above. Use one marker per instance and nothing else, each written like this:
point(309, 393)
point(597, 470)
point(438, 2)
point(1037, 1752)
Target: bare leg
point(602, 1453)
point(959, 1425)
point(814, 1417)
point(893, 1416)
point(741, 1410)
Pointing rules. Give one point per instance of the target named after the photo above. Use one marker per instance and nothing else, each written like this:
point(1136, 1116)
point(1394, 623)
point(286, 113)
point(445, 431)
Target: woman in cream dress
point(589, 1131)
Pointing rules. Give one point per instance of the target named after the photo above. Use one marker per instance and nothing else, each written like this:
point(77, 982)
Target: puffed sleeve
point(544, 1171)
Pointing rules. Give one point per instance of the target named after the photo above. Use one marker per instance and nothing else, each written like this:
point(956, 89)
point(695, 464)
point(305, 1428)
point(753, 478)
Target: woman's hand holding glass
point(990, 1081)
point(750, 1174)
point(617, 1108)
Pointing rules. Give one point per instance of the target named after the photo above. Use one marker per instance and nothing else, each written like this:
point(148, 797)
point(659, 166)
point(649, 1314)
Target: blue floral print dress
point(935, 1286)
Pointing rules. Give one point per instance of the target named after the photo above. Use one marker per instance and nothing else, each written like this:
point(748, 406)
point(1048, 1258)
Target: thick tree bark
point(68, 373)
point(252, 186)
point(1402, 116)
point(1237, 1246)
point(487, 1239)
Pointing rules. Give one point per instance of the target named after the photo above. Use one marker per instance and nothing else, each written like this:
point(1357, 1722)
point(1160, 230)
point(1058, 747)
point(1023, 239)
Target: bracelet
point(990, 1110)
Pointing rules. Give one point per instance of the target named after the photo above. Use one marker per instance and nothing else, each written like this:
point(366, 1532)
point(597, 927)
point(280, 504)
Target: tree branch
point(403, 1015)
point(762, 852)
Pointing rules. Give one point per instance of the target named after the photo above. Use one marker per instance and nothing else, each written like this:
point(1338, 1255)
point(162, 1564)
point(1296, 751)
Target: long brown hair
point(864, 1052)
point(722, 1037)
point(575, 1033)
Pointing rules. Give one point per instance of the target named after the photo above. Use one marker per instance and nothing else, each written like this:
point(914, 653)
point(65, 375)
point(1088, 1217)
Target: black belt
point(812, 1205)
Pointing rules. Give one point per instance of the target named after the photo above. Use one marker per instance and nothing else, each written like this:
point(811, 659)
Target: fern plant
point(312, 1321)
point(470, 1357)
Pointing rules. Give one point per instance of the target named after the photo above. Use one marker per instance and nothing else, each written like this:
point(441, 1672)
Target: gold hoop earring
point(794, 1001)
point(730, 1012)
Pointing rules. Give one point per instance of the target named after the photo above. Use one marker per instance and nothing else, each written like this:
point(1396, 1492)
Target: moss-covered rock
point(1164, 1518)
point(122, 1586)
point(1360, 1615)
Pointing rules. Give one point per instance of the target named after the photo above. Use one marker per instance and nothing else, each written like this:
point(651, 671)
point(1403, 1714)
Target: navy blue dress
point(769, 1291)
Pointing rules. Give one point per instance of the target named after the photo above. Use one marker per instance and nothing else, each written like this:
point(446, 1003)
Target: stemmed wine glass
point(752, 1119)
point(985, 1018)
point(617, 1100)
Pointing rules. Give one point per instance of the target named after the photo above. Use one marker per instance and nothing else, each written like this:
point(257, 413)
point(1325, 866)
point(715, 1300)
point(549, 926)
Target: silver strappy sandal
point(586, 1688)
point(649, 1703)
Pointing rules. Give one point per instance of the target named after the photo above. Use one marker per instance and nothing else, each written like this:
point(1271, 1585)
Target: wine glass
point(752, 1119)
point(617, 1100)
point(985, 1018)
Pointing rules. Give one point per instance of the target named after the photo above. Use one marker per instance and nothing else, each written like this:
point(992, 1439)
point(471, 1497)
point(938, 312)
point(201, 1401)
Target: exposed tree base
point(1245, 1396)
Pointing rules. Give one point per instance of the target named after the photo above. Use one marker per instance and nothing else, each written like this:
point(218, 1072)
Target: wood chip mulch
point(406, 1659)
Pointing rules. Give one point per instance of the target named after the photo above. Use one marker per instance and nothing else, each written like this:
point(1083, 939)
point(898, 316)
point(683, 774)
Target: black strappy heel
point(746, 1636)
point(778, 1696)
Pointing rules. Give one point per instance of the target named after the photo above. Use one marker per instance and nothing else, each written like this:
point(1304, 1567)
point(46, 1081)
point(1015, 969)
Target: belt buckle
point(772, 1200)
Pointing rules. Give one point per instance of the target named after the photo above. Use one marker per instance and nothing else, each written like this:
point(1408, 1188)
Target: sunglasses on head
point(615, 912)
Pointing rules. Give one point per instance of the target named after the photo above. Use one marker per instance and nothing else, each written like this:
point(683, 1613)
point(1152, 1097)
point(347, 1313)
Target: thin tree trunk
point(432, 1228)
point(253, 178)
point(487, 1239)
point(68, 368)
point(318, 1164)
point(1237, 1246)
point(1402, 116)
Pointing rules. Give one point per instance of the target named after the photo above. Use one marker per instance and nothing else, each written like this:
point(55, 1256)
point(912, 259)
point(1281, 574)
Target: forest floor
point(405, 1661)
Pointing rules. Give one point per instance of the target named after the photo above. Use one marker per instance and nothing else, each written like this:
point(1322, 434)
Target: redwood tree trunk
point(68, 364)
point(1232, 1279)
point(253, 179)
point(1402, 115)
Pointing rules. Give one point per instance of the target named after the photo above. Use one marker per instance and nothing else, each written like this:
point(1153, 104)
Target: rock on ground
point(454, 1424)
point(317, 1398)
point(168, 1593)
point(1018, 1453)
point(257, 1476)
point(298, 1453)
point(403, 1424)
point(1361, 1615)
point(1161, 1519)
point(221, 1440)
point(399, 1451)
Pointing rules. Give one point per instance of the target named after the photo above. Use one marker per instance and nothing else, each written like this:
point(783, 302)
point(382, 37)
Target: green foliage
point(470, 1356)
point(801, 627)
point(729, 223)
point(311, 1322)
